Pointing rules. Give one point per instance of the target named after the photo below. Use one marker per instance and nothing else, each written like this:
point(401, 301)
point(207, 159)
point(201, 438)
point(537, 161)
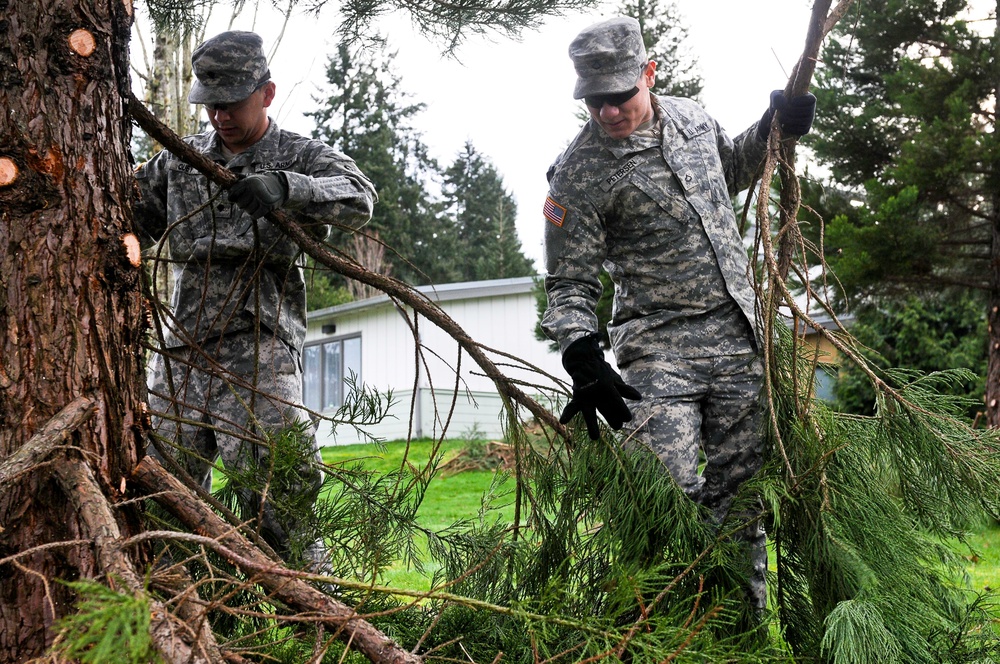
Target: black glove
point(596, 386)
point(260, 193)
point(795, 114)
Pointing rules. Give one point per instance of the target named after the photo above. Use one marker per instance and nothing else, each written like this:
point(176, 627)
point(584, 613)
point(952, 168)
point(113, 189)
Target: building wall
point(498, 315)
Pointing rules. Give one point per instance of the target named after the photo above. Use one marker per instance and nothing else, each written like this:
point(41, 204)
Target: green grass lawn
point(450, 498)
point(983, 564)
point(455, 497)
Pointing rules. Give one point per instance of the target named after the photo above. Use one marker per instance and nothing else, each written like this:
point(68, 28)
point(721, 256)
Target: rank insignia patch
point(554, 212)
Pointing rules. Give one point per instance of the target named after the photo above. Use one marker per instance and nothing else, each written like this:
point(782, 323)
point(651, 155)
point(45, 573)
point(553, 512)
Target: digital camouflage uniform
point(233, 336)
point(654, 209)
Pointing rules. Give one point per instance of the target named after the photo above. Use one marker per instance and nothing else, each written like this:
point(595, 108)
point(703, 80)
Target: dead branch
point(395, 288)
point(87, 500)
point(177, 499)
point(780, 159)
point(56, 431)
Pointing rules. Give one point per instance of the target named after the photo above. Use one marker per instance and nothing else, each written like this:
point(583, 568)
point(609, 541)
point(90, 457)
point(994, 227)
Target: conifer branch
point(172, 495)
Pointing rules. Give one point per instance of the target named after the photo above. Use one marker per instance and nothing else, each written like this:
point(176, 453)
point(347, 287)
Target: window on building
point(825, 386)
point(326, 368)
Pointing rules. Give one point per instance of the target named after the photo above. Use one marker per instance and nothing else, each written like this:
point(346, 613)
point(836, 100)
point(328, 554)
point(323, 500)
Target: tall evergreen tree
point(366, 114)
point(924, 334)
point(483, 213)
point(907, 117)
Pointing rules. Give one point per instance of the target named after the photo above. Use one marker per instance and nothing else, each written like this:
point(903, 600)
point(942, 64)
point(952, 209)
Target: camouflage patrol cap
point(608, 57)
point(228, 68)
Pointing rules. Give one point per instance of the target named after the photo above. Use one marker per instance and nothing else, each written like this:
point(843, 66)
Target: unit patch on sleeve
point(554, 212)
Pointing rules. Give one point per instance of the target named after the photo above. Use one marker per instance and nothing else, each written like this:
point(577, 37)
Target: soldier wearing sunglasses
point(645, 191)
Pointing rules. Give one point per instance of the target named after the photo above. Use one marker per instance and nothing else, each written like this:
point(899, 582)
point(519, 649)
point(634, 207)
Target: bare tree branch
point(56, 431)
point(84, 494)
point(176, 498)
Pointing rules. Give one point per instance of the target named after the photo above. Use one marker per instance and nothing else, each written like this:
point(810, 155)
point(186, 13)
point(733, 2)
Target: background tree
point(912, 127)
point(365, 113)
point(925, 334)
point(483, 214)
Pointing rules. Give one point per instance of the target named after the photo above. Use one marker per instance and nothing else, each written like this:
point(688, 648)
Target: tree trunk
point(170, 80)
point(70, 309)
point(993, 317)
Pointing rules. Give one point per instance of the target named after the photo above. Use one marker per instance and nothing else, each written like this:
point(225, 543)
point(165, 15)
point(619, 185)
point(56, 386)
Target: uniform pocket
point(664, 190)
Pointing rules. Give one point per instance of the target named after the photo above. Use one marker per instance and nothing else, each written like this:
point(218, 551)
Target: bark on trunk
point(993, 318)
point(70, 308)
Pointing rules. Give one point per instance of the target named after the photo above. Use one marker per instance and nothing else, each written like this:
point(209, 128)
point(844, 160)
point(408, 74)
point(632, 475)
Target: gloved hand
point(260, 193)
point(596, 386)
point(795, 114)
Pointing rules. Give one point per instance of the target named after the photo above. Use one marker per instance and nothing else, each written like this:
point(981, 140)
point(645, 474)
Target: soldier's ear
point(650, 73)
point(268, 90)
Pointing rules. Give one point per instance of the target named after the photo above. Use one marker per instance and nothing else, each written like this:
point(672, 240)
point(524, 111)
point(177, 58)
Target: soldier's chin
point(619, 130)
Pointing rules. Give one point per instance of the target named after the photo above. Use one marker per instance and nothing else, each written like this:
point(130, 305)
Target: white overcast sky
point(513, 99)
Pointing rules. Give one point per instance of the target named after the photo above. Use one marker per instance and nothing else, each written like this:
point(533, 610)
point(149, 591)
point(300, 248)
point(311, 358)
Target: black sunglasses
point(616, 99)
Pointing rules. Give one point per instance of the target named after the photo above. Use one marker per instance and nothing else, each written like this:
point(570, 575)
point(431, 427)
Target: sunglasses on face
point(616, 99)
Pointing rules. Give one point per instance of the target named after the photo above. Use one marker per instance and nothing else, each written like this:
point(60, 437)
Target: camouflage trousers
point(709, 405)
point(216, 402)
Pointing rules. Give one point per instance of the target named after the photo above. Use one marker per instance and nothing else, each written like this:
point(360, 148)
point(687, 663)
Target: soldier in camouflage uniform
point(644, 190)
point(229, 369)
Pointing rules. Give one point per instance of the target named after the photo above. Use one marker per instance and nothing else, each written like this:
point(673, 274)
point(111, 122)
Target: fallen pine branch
point(86, 498)
point(55, 432)
point(274, 577)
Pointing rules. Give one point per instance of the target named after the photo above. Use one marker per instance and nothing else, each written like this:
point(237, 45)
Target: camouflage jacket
point(655, 210)
point(228, 271)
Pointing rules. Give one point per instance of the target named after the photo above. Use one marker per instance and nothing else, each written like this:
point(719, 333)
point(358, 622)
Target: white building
point(374, 339)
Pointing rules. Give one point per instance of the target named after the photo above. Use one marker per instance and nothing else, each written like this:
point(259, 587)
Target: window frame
point(321, 403)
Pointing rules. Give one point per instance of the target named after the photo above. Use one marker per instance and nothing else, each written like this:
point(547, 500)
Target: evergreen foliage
point(365, 113)
point(320, 289)
point(612, 560)
point(466, 233)
point(926, 334)
point(108, 626)
point(906, 119)
point(447, 23)
point(863, 507)
point(483, 213)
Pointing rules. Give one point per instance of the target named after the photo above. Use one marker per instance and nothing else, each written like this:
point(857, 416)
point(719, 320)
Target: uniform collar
point(637, 142)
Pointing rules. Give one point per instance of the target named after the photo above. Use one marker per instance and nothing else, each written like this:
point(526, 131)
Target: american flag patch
point(554, 212)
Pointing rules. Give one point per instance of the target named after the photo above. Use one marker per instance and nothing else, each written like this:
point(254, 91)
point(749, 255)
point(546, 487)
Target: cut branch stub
point(132, 249)
point(8, 171)
point(82, 42)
